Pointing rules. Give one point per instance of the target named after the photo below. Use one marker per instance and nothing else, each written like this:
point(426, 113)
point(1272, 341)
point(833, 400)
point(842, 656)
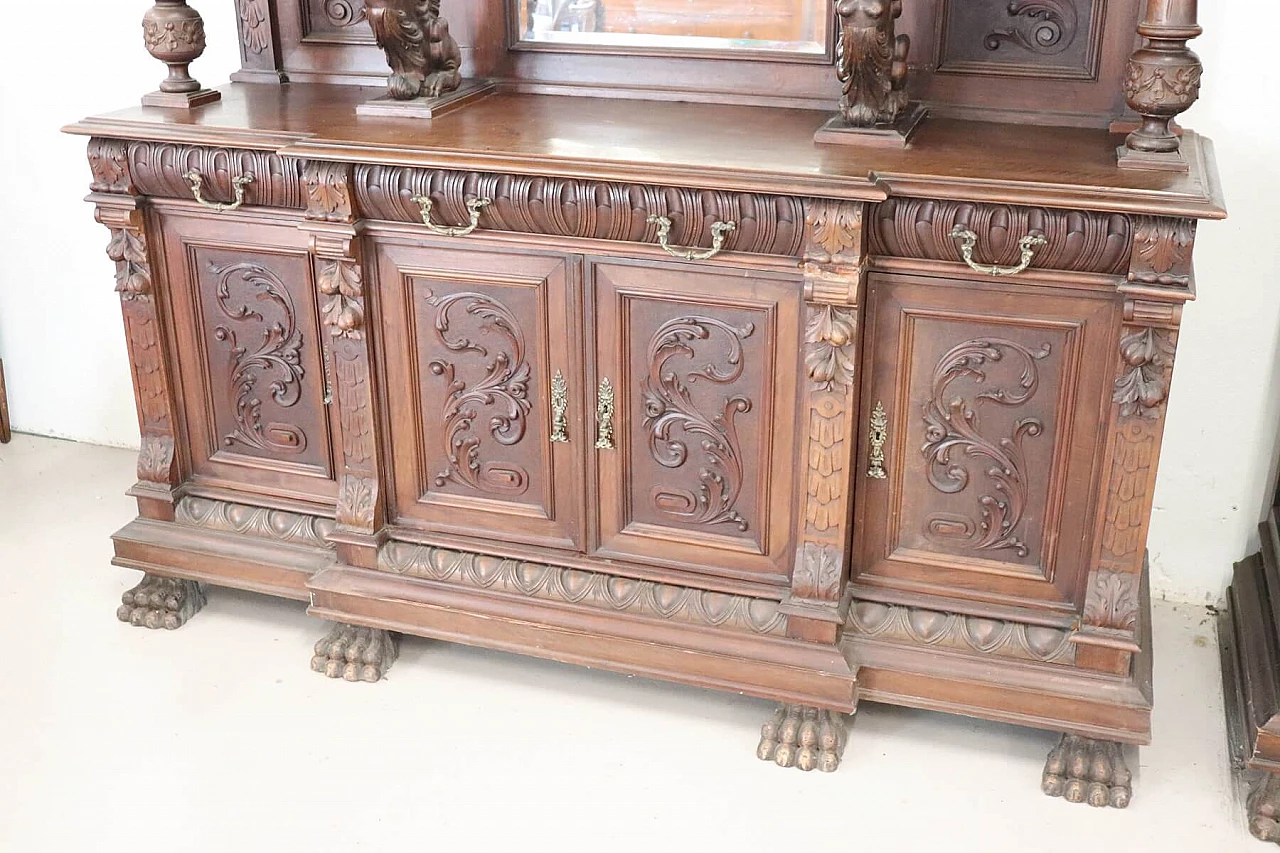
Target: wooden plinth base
point(181, 100)
point(1172, 161)
point(388, 107)
point(896, 135)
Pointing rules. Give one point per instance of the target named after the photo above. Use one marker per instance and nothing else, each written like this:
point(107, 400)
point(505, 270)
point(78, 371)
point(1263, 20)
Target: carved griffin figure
point(872, 62)
point(424, 58)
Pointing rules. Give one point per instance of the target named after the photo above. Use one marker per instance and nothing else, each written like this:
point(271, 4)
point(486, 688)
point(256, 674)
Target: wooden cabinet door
point(703, 364)
point(994, 400)
point(249, 354)
point(474, 340)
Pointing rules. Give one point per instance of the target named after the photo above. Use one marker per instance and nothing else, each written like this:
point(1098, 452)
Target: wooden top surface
point(760, 149)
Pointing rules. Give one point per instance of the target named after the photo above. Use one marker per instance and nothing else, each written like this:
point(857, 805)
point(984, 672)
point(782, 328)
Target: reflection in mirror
point(782, 26)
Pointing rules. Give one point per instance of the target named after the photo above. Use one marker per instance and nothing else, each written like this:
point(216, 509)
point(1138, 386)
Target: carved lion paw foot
point(161, 603)
point(804, 737)
point(1264, 808)
point(355, 653)
point(1081, 770)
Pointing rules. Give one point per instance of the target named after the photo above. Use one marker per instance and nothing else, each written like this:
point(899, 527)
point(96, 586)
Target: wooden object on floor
point(6, 432)
point(1249, 631)
point(666, 388)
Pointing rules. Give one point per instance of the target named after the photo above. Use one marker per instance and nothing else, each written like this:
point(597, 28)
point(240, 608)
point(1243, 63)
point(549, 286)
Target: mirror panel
point(790, 28)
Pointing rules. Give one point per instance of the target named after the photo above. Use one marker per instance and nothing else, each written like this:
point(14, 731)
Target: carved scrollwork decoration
point(503, 392)
point(1043, 26)
point(952, 429)
point(341, 283)
point(344, 13)
point(668, 405)
point(277, 356)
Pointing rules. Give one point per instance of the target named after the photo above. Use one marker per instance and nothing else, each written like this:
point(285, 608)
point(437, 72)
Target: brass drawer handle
point(604, 415)
point(238, 185)
point(559, 409)
point(968, 240)
point(474, 206)
point(719, 231)
point(879, 433)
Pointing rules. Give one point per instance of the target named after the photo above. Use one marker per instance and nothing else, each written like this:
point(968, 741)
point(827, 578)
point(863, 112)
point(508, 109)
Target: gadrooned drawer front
point(160, 169)
point(567, 207)
point(1075, 241)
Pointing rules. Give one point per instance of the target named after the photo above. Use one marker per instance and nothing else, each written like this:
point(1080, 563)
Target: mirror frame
point(827, 56)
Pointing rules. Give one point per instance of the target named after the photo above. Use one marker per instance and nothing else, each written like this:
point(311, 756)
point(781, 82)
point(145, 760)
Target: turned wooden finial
point(174, 34)
point(1162, 81)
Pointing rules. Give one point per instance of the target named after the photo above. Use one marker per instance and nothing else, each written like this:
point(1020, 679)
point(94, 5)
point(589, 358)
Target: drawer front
point(250, 354)
point(696, 451)
point(160, 169)
point(992, 402)
point(600, 210)
point(485, 440)
point(1074, 241)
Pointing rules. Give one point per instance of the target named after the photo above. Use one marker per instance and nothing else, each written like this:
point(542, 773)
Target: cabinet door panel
point(994, 398)
point(704, 366)
point(474, 340)
point(250, 354)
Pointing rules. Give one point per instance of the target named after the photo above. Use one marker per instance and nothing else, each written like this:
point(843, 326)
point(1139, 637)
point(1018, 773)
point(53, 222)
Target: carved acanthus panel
point(956, 446)
point(160, 169)
point(959, 633)
point(481, 357)
point(274, 524)
point(263, 359)
point(328, 189)
point(1112, 601)
point(593, 209)
point(585, 588)
point(1162, 250)
point(1075, 240)
point(109, 163)
point(673, 420)
point(1022, 38)
point(255, 25)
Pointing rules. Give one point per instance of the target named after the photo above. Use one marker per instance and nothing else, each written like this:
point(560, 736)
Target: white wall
point(64, 353)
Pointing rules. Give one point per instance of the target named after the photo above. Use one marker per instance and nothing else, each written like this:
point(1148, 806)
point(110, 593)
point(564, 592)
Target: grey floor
point(217, 737)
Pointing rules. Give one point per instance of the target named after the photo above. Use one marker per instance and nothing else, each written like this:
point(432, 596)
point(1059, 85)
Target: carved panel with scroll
point(1023, 38)
point(991, 440)
point(474, 341)
point(252, 362)
point(705, 401)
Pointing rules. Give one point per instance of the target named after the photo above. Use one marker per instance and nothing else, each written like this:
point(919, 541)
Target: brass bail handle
point(719, 231)
point(968, 240)
point(238, 185)
point(474, 206)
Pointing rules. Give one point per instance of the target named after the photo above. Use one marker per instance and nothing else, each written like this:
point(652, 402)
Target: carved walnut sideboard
point(631, 356)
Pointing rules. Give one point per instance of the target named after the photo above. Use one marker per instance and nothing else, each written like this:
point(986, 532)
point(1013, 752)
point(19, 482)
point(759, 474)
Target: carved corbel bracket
point(335, 236)
point(871, 64)
point(1162, 81)
point(426, 63)
point(834, 263)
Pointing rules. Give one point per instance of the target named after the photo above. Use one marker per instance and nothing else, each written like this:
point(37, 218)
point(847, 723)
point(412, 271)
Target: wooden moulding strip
point(767, 667)
point(223, 559)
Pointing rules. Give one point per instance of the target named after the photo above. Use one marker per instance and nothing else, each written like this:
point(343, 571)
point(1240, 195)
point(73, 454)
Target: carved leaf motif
point(834, 228)
point(133, 273)
point(255, 27)
point(155, 459)
point(503, 392)
point(276, 357)
point(817, 572)
point(343, 312)
point(1112, 602)
point(669, 406)
point(830, 355)
point(356, 498)
point(1142, 389)
point(952, 427)
point(108, 162)
point(1163, 248)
